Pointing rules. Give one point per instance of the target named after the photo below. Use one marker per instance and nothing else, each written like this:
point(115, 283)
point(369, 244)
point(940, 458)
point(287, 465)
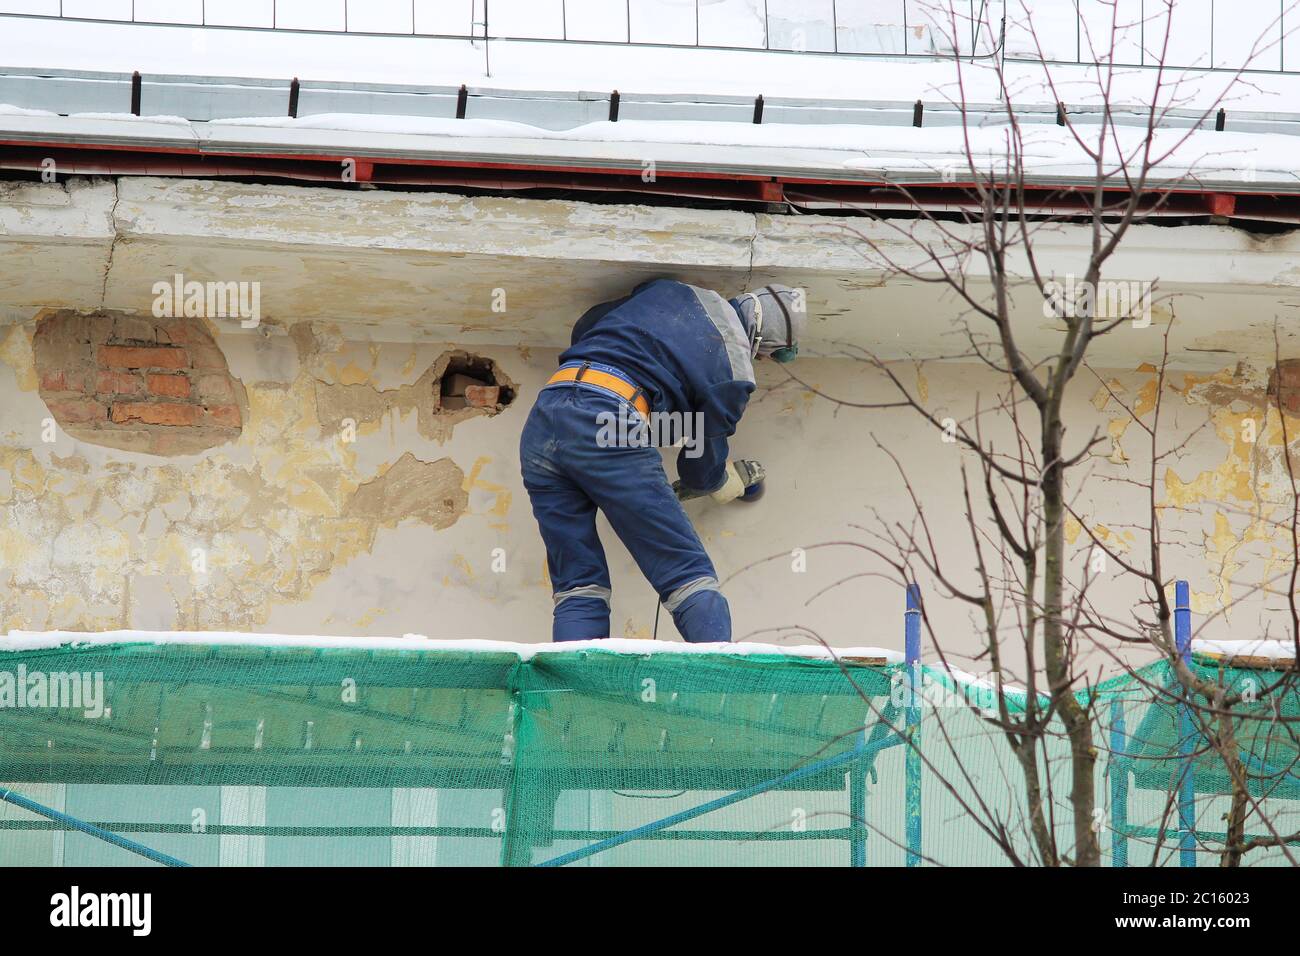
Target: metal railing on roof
point(867, 28)
point(207, 99)
point(900, 28)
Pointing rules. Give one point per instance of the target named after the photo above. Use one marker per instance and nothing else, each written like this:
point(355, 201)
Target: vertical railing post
point(858, 805)
point(1186, 778)
point(912, 655)
point(1117, 770)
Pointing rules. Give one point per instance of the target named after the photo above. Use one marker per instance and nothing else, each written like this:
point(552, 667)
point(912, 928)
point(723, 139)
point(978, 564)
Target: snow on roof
point(20, 641)
point(548, 65)
point(1259, 649)
point(1236, 161)
point(841, 115)
point(988, 686)
point(1049, 151)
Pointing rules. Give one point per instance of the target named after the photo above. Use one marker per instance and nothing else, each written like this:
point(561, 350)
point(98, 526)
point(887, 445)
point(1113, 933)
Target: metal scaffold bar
point(912, 647)
point(641, 832)
point(90, 829)
point(1186, 733)
point(1118, 773)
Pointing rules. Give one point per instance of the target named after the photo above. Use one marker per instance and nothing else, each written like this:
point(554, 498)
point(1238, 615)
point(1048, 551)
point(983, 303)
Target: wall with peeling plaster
point(399, 530)
point(421, 524)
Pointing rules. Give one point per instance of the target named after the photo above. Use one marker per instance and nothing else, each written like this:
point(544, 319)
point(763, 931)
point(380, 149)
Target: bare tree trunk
point(1235, 838)
point(1056, 654)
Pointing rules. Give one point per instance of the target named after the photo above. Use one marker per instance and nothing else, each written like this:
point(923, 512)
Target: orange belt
point(594, 376)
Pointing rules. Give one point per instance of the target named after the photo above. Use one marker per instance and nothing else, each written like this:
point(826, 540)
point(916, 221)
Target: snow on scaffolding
point(23, 641)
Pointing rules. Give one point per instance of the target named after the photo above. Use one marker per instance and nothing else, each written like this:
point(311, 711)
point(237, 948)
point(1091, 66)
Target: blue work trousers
point(569, 475)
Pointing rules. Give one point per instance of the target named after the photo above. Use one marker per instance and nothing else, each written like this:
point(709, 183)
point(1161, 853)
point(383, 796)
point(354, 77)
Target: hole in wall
point(471, 381)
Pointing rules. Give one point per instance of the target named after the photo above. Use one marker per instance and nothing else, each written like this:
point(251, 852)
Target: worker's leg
point(630, 487)
point(566, 517)
point(651, 522)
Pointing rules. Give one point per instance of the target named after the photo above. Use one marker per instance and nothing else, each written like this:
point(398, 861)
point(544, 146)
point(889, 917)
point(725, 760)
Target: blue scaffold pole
point(72, 823)
point(1186, 779)
point(912, 760)
point(1118, 771)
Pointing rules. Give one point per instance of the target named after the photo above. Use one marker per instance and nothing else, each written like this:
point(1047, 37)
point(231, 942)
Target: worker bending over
point(667, 350)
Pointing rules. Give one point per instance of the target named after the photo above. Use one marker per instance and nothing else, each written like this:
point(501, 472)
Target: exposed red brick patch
point(128, 356)
point(182, 334)
point(118, 383)
point(155, 413)
point(1284, 382)
point(206, 356)
point(172, 386)
point(483, 396)
point(227, 415)
point(54, 381)
point(216, 388)
point(138, 383)
point(77, 410)
point(127, 328)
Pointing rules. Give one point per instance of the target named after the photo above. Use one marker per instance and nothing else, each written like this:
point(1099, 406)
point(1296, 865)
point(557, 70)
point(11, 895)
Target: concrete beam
point(519, 271)
point(55, 244)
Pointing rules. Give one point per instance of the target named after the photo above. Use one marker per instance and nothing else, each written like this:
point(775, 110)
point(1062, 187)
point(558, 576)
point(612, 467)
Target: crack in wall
point(753, 243)
point(112, 246)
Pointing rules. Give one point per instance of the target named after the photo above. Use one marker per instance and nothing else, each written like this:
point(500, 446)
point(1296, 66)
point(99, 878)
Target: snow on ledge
point(1270, 650)
point(46, 640)
point(980, 682)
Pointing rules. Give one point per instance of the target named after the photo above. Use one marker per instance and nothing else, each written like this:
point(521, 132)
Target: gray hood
point(784, 316)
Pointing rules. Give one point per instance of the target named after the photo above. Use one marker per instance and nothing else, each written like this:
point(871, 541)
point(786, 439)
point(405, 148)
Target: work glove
point(741, 475)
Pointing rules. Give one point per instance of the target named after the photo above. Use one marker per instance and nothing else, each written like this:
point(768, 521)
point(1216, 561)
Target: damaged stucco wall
point(345, 506)
point(97, 536)
point(350, 502)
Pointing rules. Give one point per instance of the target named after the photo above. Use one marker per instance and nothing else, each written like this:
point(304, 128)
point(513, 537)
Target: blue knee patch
point(704, 618)
point(580, 619)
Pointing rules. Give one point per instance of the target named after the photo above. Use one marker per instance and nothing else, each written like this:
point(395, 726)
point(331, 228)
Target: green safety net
point(243, 755)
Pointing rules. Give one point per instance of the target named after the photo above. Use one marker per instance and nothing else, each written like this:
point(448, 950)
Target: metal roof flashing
point(118, 124)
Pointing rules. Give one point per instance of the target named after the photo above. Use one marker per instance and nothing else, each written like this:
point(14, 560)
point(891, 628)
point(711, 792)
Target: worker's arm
point(702, 463)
